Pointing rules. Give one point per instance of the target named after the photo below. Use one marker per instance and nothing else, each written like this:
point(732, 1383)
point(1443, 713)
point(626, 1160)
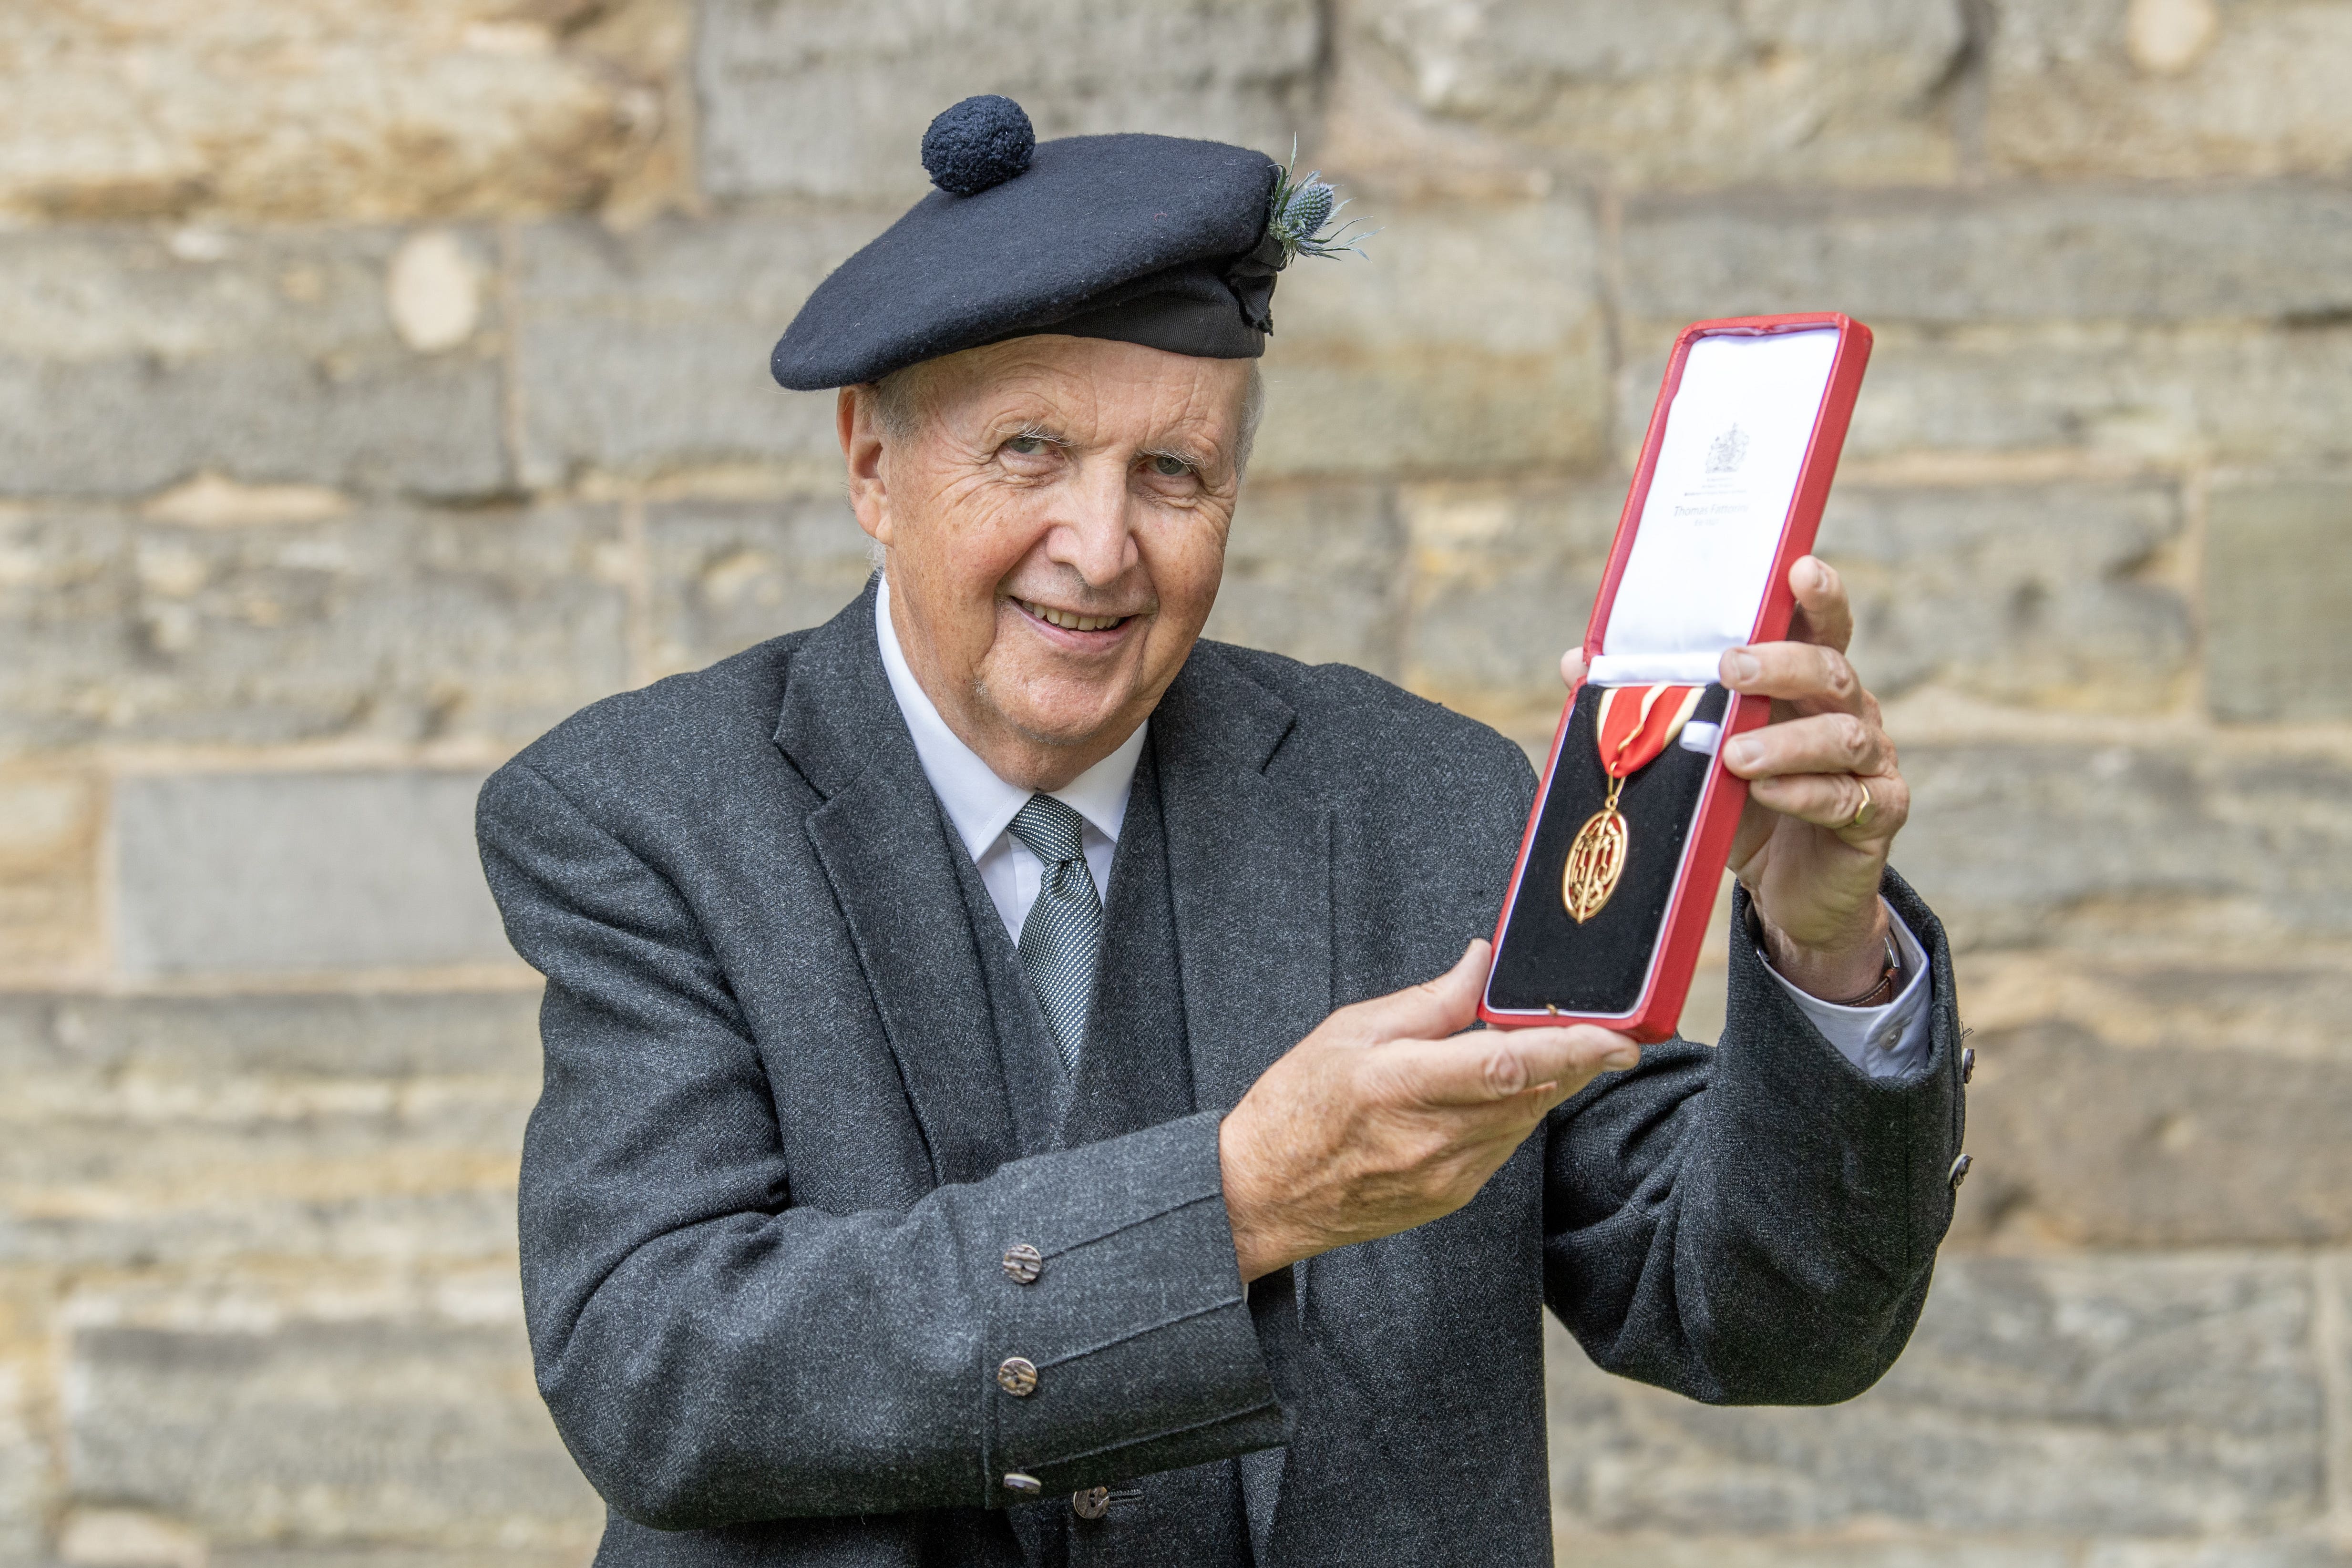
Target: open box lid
point(1728, 462)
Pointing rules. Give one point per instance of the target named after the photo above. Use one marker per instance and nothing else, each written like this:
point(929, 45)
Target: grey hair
point(898, 407)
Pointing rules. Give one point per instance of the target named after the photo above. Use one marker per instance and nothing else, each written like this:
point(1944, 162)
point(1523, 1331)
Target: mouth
point(1070, 619)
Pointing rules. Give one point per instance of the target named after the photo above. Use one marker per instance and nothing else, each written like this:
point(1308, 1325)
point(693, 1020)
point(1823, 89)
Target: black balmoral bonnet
point(1159, 240)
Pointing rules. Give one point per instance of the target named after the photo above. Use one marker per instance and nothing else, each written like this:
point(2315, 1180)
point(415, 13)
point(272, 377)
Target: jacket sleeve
point(1755, 1223)
point(713, 1352)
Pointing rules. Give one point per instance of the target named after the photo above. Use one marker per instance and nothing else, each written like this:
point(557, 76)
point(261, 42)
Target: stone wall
point(381, 380)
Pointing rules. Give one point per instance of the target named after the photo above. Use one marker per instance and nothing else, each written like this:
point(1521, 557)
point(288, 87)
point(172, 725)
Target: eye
point(1169, 467)
point(1027, 445)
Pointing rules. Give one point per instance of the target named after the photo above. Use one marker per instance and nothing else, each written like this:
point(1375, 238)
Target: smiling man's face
point(1053, 513)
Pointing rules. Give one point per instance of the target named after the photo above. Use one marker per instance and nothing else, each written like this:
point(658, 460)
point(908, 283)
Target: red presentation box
point(1617, 872)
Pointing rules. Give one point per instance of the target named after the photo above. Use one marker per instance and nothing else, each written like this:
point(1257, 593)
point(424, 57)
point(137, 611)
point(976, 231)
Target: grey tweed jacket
point(769, 1188)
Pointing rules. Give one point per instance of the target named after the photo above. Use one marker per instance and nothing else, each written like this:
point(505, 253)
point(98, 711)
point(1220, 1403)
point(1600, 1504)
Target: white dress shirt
point(1883, 1041)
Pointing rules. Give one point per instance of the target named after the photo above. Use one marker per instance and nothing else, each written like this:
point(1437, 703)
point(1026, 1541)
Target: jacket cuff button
point(1967, 1063)
point(1017, 1375)
point(1022, 1263)
point(1961, 1170)
point(1026, 1486)
point(1092, 1503)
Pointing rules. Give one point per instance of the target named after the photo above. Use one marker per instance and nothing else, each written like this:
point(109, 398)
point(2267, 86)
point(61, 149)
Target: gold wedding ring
point(1862, 811)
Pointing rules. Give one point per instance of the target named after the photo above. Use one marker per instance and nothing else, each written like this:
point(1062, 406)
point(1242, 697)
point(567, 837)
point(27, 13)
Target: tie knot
point(1053, 832)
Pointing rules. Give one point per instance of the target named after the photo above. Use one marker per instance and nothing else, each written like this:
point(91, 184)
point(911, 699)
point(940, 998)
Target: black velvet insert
point(1547, 960)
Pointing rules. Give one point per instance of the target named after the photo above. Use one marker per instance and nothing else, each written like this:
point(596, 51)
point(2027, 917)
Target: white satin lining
point(1653, 669)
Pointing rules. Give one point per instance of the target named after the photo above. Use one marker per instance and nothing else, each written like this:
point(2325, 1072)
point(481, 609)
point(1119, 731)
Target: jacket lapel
point(887, 851)
point(1249, 868)
point(1249, 865)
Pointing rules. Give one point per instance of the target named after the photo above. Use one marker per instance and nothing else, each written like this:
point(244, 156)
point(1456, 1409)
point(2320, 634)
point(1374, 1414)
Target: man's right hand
point(1388, 1116)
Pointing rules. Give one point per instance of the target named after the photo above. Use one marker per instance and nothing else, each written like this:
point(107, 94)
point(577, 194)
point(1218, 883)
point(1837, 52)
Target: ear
point(861, 451)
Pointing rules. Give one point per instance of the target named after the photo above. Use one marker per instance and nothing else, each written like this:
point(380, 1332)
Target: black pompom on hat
point(979, 143)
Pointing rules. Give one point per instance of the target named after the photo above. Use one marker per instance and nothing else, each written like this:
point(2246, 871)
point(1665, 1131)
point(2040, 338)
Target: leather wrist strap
point(1889, 987)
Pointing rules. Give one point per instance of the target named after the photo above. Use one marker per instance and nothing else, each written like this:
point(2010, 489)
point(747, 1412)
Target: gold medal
point(1635, 724)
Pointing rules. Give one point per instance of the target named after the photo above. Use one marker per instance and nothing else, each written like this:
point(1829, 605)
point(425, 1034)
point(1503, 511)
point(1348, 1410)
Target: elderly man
point(1010, 1096)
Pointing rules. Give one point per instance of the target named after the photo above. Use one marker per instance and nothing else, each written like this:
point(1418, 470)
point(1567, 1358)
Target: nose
point(1091, 535)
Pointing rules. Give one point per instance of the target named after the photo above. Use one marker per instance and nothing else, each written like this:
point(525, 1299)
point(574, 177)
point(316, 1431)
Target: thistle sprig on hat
point(1299, 215)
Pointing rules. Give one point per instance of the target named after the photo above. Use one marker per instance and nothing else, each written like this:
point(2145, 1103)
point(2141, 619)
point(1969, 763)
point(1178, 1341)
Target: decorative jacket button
point(1022, 1263)
point(1961, 1170)
point(1967, 1063)
point(1017, 1375)
point(1091, 1503)
point(1025, 1485)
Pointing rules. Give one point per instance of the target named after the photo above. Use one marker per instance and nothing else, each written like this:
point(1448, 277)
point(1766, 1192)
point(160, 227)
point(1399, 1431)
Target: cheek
point(1187, 558)
point(971, 536)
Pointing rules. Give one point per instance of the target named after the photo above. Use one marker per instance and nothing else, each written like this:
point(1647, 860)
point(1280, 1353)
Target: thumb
point(1433, 1008)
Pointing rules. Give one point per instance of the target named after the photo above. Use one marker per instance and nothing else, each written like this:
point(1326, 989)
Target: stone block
point(1872, 1547)
point(1693, 93)
point(313, 1431)
point(278, 873)
point(2277, 251)
point(1312, 570)
point(2278, 597)
point(382, 621)
point(2109, 1395)
point(1468, 338)
point(2262, 999)
point(2170, 89)
point(2021, 843)
point(649, 351)
point(728, 574)
point(130, 359)
point(287, 110)
point(830, 98)
point(195, 1130)
point(2145, 394)
point(2038, 596)
point(1502, 584)
point(50, 823)
point(2080, 1142)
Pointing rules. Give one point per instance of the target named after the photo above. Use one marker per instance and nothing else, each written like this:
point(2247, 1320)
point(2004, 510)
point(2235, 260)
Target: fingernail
point(1816, 575)
point(1743, 752)
point(1742, 664)
point(1619, 1060)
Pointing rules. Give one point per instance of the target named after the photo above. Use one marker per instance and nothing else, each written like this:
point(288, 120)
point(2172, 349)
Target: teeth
point(1066, 618)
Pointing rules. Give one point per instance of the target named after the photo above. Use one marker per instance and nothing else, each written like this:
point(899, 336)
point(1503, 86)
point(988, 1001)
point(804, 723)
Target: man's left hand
point(1825, 795)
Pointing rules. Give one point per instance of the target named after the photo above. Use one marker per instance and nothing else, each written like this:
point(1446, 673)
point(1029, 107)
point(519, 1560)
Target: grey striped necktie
point(1064, 931)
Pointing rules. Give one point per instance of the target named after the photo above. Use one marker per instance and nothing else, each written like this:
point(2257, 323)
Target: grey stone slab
point(186, 1130)
point(2080, 1142)
point(95, 1041)
point(2078, 87)
point(2278, 601)
point(649, 351)
point(246, 872)
point(1503, 577)
point(728, 574)
point(389, 622)
point(270, 356)
point(1685, 93)
point(830, 98)
point(1468, 338)
point(2256, 252)
point(1315, 571)
point(321, 1432)
point(2032, 596)
point(2228, 391)
point(2111, 1395)
point(1868, 1548)
point(2026, 843)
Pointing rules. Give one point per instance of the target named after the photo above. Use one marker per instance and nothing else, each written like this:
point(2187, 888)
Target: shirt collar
point(977, 801)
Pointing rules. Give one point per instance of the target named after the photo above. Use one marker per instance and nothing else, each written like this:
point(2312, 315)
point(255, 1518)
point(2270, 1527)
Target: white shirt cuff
point(1885, 1041)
